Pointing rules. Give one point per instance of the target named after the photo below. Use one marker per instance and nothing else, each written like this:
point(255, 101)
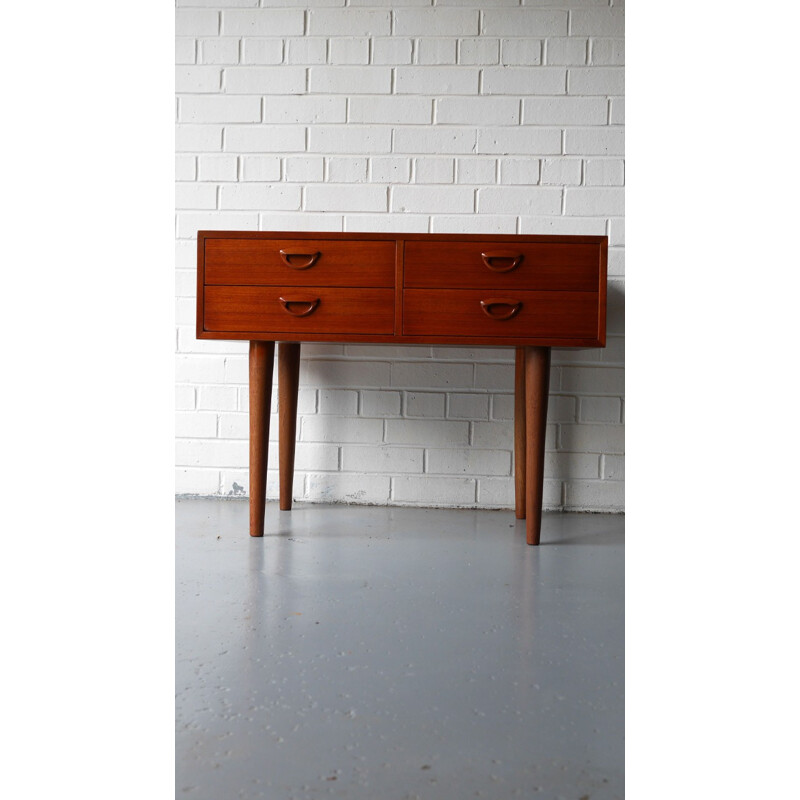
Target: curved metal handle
point(309, 258)
point(311, 302)
point(502, 255)
point(513, 307)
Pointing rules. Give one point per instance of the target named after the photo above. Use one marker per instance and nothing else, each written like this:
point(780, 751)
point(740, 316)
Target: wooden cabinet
point(528, 292)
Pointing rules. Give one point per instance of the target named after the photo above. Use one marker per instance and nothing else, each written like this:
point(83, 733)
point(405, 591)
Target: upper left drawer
point(299, 262)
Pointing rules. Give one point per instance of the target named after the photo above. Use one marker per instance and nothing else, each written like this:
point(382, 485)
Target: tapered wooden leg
point(262, 356)
point(519, 433)
point(288, 379)
point(537, 385)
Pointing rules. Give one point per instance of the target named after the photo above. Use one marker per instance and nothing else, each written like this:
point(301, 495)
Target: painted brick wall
point(409, 115)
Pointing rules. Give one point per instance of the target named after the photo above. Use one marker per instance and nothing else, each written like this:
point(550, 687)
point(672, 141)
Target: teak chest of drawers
point(527, 292)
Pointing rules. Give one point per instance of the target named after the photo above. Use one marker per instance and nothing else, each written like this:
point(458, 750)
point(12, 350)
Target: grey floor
point(397, 653)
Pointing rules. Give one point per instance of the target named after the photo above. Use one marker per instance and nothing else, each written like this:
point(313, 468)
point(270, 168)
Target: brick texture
point(373, 115)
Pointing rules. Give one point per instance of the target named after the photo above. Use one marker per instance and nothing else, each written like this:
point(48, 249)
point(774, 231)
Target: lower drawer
point(470, 312)
point(275, 309)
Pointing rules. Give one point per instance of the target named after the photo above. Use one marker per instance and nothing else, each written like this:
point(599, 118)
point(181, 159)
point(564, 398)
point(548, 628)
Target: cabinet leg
point(288, 380)
point(537, 385)
point(262, 355)
point(519, 433)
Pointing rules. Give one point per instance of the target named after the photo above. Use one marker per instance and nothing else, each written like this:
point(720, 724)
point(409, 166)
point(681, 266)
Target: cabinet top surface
point(441, 237)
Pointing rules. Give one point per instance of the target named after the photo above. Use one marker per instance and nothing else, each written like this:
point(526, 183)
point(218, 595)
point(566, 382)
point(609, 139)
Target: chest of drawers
point(527, 292)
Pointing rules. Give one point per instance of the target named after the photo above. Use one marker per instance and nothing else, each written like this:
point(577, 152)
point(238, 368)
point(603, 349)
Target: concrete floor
point(397, 653)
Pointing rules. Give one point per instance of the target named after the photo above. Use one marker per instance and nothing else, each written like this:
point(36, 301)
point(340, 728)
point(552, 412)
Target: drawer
point(545, 266)
point(299, 262)
point(298, 310)
point(469, 312)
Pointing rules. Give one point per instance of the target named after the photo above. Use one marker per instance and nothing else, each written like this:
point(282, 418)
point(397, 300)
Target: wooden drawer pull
point(512, 307)
point(309, 259)
point(502, 256)
point(310, 303)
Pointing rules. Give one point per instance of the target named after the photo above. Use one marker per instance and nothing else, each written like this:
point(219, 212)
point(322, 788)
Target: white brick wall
point(421, 115)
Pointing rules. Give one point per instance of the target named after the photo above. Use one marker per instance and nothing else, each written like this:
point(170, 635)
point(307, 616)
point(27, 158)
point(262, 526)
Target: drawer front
point(299, 262)
point(469, 312)
point(560, 267)
point(298, 310)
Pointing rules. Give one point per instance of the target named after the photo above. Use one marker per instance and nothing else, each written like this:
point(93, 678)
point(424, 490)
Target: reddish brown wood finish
point(541, 267)
point(502, 260)
point(537, 292)
point(519, 432)
point(602, 293)
point(500, 308)
point(453, 312)
point(321, 262)
point(299, 305)
point(537, 385)
point(388, 338)
point(302, 258)
point(548, 262)
point(288, 380)
point(336, 311)
point(262, 355)
point(398, 288)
